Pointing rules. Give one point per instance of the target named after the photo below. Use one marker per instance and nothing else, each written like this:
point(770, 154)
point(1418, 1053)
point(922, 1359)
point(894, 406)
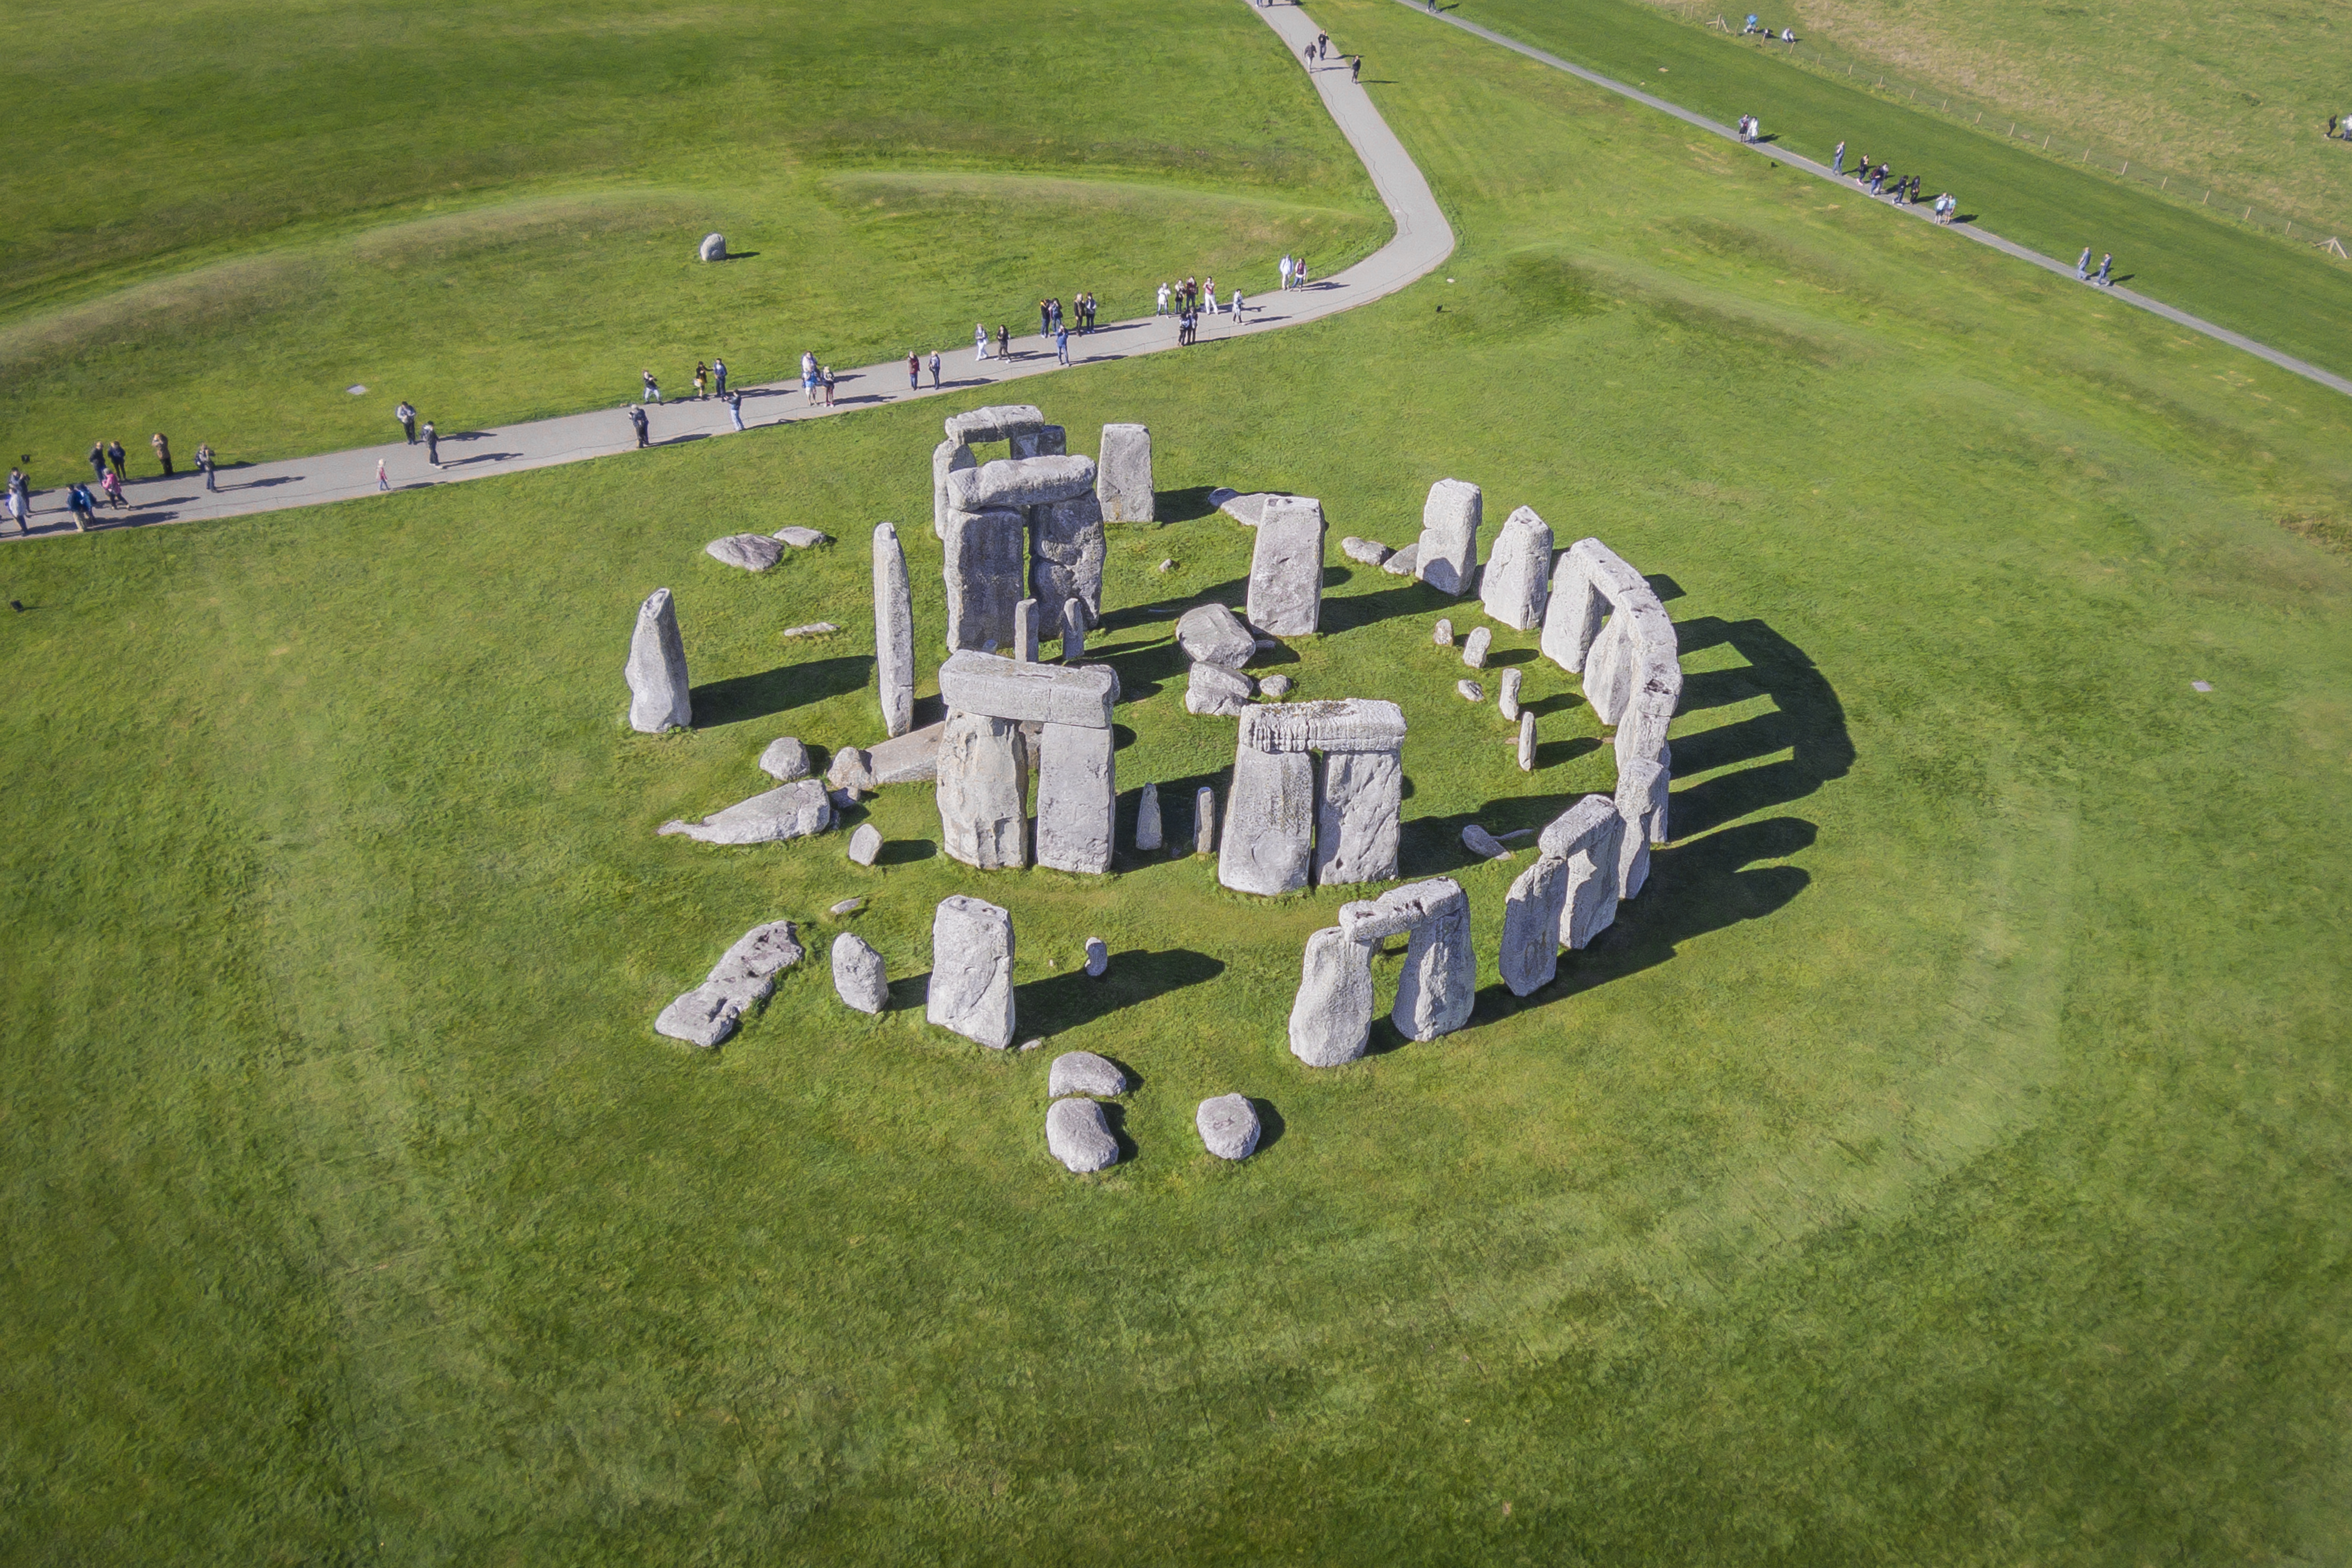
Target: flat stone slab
point(1403, 563)
point(1229, 1126)
point(1217, 690)
point(1213, 634)
point(1077, 1134)
point(752, 552)
point(1370, 552)
point(1021, 482)
point(814, 629)
point(786, 760)
point(985, 683)
point(1244, 509)
point(999, 422)
point(1345, 724)
point(742, 979)
point(795, 810)
point(801, 538)
point(1083, 1072)
point(1480, 842)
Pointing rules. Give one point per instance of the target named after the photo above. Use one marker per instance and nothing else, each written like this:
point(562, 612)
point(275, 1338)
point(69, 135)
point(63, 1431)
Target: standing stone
point(1359, 815)
point(1213, 634)
point(1515, 587)
point(998, 422)
point(1442, 633)
point(1474, 646)
point(713, 248)
point(947, 457)
point(1531, 920)
point(1074, 631)
point(1228, 1126)
point(1097, 957)
point(1204, 821)
point(1572, 616)
point(656, 672)
point(1642, 732)
point(1587, 836)
point(1527, 742)
point(986, 572)
point(894, 631)
point(1078, 798)
point(1448, 547)
point(1269, 822)
point(1045, 441)
point(858, 973)
point(1147, 818)
point(983, 789)
point(1286, 581)
point(1123, 474)
point(1078, 1135)
point(1641, 805)
point(1440, 983)
point(971, 971)
point(1331, 1018)
point(1065, 551)
point(1024, 631)
point(1510, 696)
point(865, 844)
point(1609, 669)
point(1083, 1072)
point(786, 760)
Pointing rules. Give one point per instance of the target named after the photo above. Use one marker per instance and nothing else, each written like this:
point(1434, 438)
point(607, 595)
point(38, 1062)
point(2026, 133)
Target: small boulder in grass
point(1083, 1072)
point(1470, 691)
point(752, 552)
point(1275, 686)
point(1442, 633)
point(1369, 551)
point(1401, 564)
point(865, 844)
point(846, 906)
point(814, 629)
point(801, 538)
point(786, 760)
point(1097, 956)
point(1077, 1134)
point(1228, 1126)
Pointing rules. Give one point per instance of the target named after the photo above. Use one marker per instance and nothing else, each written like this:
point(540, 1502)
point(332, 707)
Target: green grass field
point(1944, 1160)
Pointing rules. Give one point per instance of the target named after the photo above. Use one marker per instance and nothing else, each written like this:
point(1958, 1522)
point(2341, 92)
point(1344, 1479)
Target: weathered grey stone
point(1204, 821)
point(784, 759)
point(1641, 789)
point(1642, 732)
point(1474, 646)
point(1065, 561)
point(971, 971)
point(1000, 422)
point(1079, 694)
point(713, 248)
point(1531, 920)
point(1331, 1017)
point(1372, 922)
point(983, 782)
point(1442, 633)
point(1083, 1072)
point(801, 538)
point(742, 979)
point(851, 769)
point(846, 906)
point(1572, 615)
point(1274, 686)
point(894, 631)
point(1586, 835)
point(910, 758)
point(752, 552)
point(1269, 822)
point(1074, 631)
point(1097, 957)
point(1286, 581)
point(1448, 546)
point(1045, 441)
point(1608, 570)
point(1610, 670)
point(947, 457)
point(1212, 634)
point(1359, 813)
point(1228, 1126)
point(1404, 563)
point(1246, 510)
point(1148, 835)
point(1348, 724)
point(1469, 691)
point(1483, 844)
point(1078, 798)
point(1123, 474)
point(865, 844)
point(1516, 587)
point(1440, 981)
point(1025, 632)
point(858, 976)
point(1369, 551)
point(1218, 690)
point(794, 810)
point(656, 669)
point(1165, 566)
point(1078, 1135)
point(814, 629)
point(1020, 482)
point(1527, 742)
point(1509, 686)
point(1030, 1045)
point(986, 572)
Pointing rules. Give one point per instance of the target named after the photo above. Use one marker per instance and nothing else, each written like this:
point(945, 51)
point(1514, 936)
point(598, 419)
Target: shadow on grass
point(1066, 1001)
point(743, 697)
point(1807, 720)
point(1270, 1125)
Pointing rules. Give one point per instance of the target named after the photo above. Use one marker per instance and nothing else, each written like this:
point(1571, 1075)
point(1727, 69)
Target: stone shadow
point(1063, 1002)
point(1807, 720)
point(1270, 1125)
point(745, 697)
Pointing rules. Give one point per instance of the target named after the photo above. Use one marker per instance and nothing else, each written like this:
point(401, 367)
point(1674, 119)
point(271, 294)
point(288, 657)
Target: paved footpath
point(2063, 269)
point(1423, 239)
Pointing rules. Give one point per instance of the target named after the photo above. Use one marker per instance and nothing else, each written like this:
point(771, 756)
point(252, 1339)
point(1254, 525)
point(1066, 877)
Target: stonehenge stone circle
point(1440, 981)
point(1516, 587)
point(1531, 919)
point(1078, 1135)
point(1083, 1072)
point(1024, 631)
point(656, 672)
point(982, 762)
point(786, 760)
point(986, 572)
point(857, 974)
point(950, 457)
point(1000, 423)
point(1228, 1126)
point(1204, 821)
point(1474, 646)
point(971, 971)
point(1097, 957)
point(1065, 561)
point(795, 810)
point(865, 844)
point(1331, 1017)
point(1123, 474)
point(1368, 551)
point(1147, 833)
point(1212, 634)
point(1405, 563)
point(1286, 581)
point(1078, 798)
point(1509, 698)
point(713, 248)
point(1269, 822)
point(1447, 551)
point(1287, 817)
point(1017, 482)
point(983, 781)
point(1217, 690)
point(894, 630)
point(740, 980)
point(752, 552)
point(1045, 441)
point(1587, 836)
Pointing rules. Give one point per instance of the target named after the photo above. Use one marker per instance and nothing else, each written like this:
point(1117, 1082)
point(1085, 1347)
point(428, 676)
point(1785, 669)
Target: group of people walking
point(1904, 190)
point(110, 471)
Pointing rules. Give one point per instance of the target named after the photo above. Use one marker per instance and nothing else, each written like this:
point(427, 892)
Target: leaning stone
point(1515, 587)
point(1483, 844)
point(1065, 561)
point(1078, 798)
point(801, 538)
point(1510, 699)
point(1369, 551)
point(656, 669)
point(1212, 634)
point(1000, 422)
point(752, 552)
point(1078, 1135)
point(1097, 957)
point(894, 631)
point(786, 760)
point(1527, 742)
point(1204, 821)
point(1123, 474)
point(1147, 818)
point(1442, 633)
point(1079, 694)
point(1074, 631)
point(1276, 686)
point(1359, 812)
point(865, 844)
point(1448, 550)
point(846, 906)
point(947, 457)
point(1286, 581)
point(1440, 981)
point(1269, 822)
point(986, 574)
point(983, 792)
point(794, 810)
point(1217, 690)
point(1021, 482)
point(1083, 1072)
point(1474, 646)
point(971, 971)
point(1228, 1126)
point(857, 974)
point(1331, 1017)
point(1403, 561)
point(713, 248)
point(742, 979)
point(1045, 441)
point(1531, 917)
point(1470, 691)
point(1024, 631)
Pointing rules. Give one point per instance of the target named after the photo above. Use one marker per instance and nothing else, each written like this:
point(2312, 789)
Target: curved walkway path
point(1423, 239)
point(2052, 264)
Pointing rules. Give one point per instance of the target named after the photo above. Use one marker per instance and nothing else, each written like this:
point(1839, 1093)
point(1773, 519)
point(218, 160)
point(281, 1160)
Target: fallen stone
point(1275, 686)
point(742, 979)
point(1269, 822)
point(857, 974)
point(947, 457)
point(1474, 646)
point(1030, 1045)
point(1083, 1072)
point(1213, 634)
point(1078, 798)
point(986, 574)
point(1403, 561)
point(865, 844)
point(713, 248)
point(1020, 482)
point(1448, 546)
point(801, 538)
point(1531, 918)
point(1470, 691)
point(1369, 551)
point(1217, 690)
point(1440, 980)
point(971, 971)
point(1331, 1017)
point(1123, 474)
point(1527, 742)
point(846, 906)
point(1097, 957)
point(795, 810)
point(752, 552)
point(814, 629)
point(786, 760)
point(1286, 581)
point(1359, 813)
point(1078, 1135)
point(655, 671)
point(1167, 566)
point(910, 758)
point(982, 791)
point(1204, 821)
point(1000, 422)
point(1442, 633)
point(1147, 818)
point(1228, 1126)
point(851, 769)
point(1045, 441)
point(894, 631)
point(1025, 632)
point(1481, 843)
point(1510, 699)
point(1516, 586)
point(1246, 510)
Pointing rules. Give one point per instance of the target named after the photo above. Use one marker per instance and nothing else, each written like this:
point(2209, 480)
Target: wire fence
point(1806, 55)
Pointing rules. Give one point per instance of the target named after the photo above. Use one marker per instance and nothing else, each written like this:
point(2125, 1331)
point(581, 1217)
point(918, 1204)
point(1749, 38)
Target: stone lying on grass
point(1275, 686)
point(846, 906)
point(801, 538)
point(814, 629)
point(1213, 634)
point(795, 810)
point(740, 980)
point(1228, 1127)
point(1403, 562)
point(865, 844)
point(713, 248)
point(857, 974)
point(786, 760)
point(1470, 691)
point(1083, 1072)
point(752, 552)
point(910, 758)
point(1370, 552)
point(1480, 842)
point(1243, 509)
point(1077, 1134)
point(1217, 690)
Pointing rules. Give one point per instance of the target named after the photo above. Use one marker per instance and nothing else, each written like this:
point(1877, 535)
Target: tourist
point(828, 386)
point(16, 499)
point(1915, 190)
point(637, 422)
point(1161, 308)
point(914, 371)
point(701, 381)
point(1862, 170)
point(1237, 306)
point(1283, 268)
point(407, 417)
point(1044, 318)
point(432, 445)
point(1209, 293)
point(1837, 160)
point(980, 342)
point(1878, 181)
point(382, 479)
point(2083, 265)
point(1062, 344)
point(2107, 266)
point(652, 388)
point(1355, 68)
point(115, 455)
point(1787, 35)
point(1308, 54)
point(734, 401)
point(1322, 45)
point(1003, 342)
point(719, 373)
point(205, 465)
point(934, 370)
point(97, 461)
point(85, 510)
point(112, 487)
point(162, 445)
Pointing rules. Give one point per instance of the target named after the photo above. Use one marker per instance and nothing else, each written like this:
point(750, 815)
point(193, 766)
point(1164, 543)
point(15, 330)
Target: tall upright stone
point(1286, 581)
point(950, 457)
point(1074, 631)
point(1123, 474)
point(986, 572)
point(1515, 587)
point(1204, 821)
point(894, 631)
point(1447, 551)
point(1610, 668)
point(1065, 561)
point(1269, 822)
point(1527, 742)
point(1359, 816)
point(1147, 833)
point(1078, 798)
point(659, 698)
point(1440, 981)
point(1531, 920)
point(1587, 836)
point(858, 976)
point(1507, 702)
point(971, 971)
point(1332, 1017)
point(1572, 615)
point(1024, 631)
point(982, 791)
point(1641, 805)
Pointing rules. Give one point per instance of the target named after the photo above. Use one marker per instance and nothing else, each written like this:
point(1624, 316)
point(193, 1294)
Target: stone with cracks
point(1469, 691)
point(1097, 957)
point(1000, 422)
point(1440, 981)
point(1348, 724)
point(1404, 563)
point(1024, 631)
point(947, 457)
point(656, 669)
point(865, 844)
point(752, 552)
point(1527, 742)
point(971, 971)
point(1642, 732)
point(986, 572)
point(1148, 833)
point(1286, 581)
point(983, 782)
point(1077, 1134)
point(742, 979)
point(1532, 922)
point(1213, 634)
point(894, 631)
point(1066, 563)
point(1228, 1126)
point(857, 974)
point(1083, 1072)
point(1358, 814)
point(1586, 835)
point(1123, 474)
point(1331, 1017)
point(1269, 822)
point(1078, 798)
point(1516, 587)
point(801, 538)
point(1572, 616)
point(1609, 669)
point(1217, 690)
point(1641, 805)
point(786, 760)
point(1045, 441)
point(1508, 700)
point(1020, 482)
point(1474, 646)
point(713, 248)
point(1448, 547)
point(1204, 821)
point(1369, 551)
point(1080, 694)
point(794, 810)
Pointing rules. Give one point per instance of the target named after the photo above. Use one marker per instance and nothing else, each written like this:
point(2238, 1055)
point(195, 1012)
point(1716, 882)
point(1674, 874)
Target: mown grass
point(1943, 1162)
